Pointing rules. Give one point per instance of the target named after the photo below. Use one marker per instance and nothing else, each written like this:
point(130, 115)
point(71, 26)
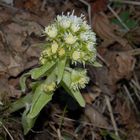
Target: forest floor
point(112, 98)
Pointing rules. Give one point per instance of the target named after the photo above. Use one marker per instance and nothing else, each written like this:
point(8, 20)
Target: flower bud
point(76, 55)
point(70, 39)
point(61, 52)
point(65, 23)
point(49, 87)
point(75, 27)
point(54, 47)
point(51, 31)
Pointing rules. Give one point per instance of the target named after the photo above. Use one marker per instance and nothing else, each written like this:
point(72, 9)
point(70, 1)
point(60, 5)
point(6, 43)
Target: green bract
point(69, 40)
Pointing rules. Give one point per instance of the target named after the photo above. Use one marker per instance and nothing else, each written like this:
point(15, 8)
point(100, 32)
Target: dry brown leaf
point(92, 94)
point(16, 66)
point(4, 16)
point(99, 6)
point(121, 66)
point(14, 93)
point(134, 134)
point(134, 36)
point(100, 75)
point(95, 117)
point(90, 97)
point(127, 117)
point(124, 110)
point(105, 30)
point(4, 89)
point(32, 5)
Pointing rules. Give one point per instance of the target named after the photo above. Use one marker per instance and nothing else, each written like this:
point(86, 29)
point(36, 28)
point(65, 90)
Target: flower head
point(75, 38)
point(51, 31)
point(75, 27)
point(90, 46)
point(70, 39)
point(65, 23)
point(85, 26)
point(76, 55)
point(79, 79)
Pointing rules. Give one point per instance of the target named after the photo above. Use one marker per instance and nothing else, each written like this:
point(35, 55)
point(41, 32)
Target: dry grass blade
point(134, 52)
point(89, 9)
point(119, 19)
point(11, 137)
point(126, 2)
point(111, 115)
point(59, 134)
point(85, 123)
point(135, 90)
point(136, 84)
point(102, 59)
point(130, 98)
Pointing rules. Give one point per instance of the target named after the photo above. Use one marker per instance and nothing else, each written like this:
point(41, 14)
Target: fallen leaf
point(99, 5)
point(105, 30)
point(91, 95)
point(121, 66)
point(15, 66)
point(95, 117)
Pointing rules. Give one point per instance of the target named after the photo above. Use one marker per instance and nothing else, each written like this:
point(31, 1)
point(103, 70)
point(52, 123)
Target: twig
point(135, 90)
point(43, 5)
point(134, 51)
point(14, 9)
point(131, 99)
point(69, 133)
point(102, 59)
point(111, 115)
point(136, 78)
point(136, 84)
point(40, 132)
point(84, 123)
point(63, 115)
point(89, 10)
point(11, 137)
point(119, 19)
point(59, 134)
point(126, 2)
point(93, 134)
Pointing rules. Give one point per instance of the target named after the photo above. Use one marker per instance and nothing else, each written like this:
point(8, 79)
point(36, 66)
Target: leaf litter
point(21, 28)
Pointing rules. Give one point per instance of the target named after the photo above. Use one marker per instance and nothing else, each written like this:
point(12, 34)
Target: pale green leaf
point(67, 78)
point(39, 89)
point(78, 97)
point(43, 99)
point(21, 103)
point(37, 93)
point(38, 72)
point(60, 69)
point(23, 81)
point(27, 122)
point(40, 98)
point(74, 93)
point(97, 64)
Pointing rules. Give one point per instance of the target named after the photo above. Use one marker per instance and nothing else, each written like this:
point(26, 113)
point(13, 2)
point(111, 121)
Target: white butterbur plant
point(69, 41)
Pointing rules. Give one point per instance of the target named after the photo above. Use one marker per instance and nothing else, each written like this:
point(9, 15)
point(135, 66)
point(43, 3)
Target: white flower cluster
point(72, 37)
point(79, 79)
